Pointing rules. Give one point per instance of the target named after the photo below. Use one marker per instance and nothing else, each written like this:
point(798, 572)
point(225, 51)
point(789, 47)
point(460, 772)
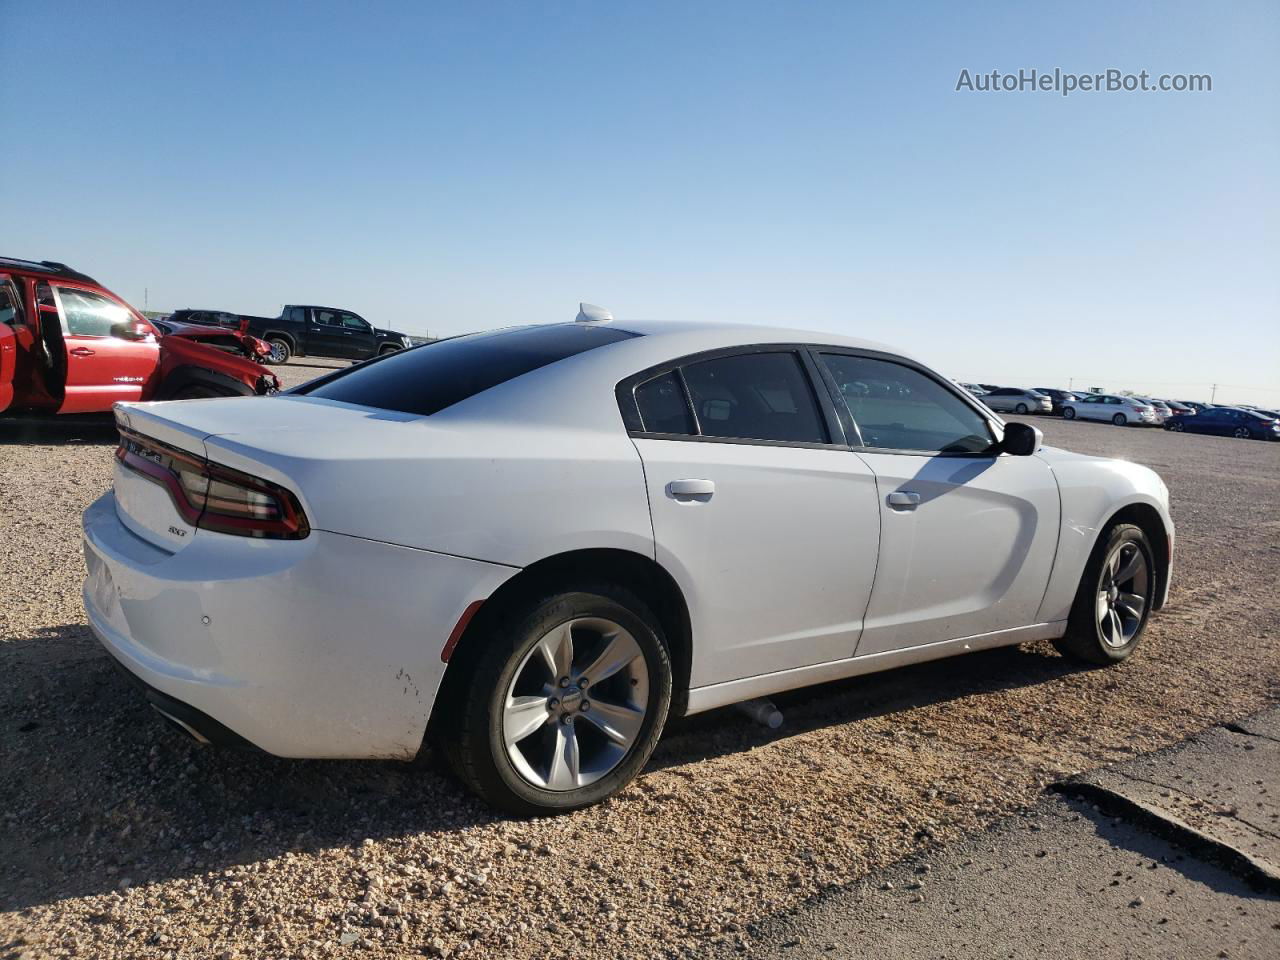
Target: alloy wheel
point(277, 352)
point(1242, 433)
point(1123, 594)
point(1119, 420)
point(576, 704)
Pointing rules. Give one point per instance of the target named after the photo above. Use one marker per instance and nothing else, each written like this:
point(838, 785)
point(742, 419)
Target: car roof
point(45, 267)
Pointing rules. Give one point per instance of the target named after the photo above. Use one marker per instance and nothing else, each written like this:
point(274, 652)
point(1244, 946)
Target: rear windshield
point(427, 379)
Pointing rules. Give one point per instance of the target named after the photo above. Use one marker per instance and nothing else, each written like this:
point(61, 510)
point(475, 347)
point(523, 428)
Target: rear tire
point(1068, 413)
point(1120, 420)
point(280, 351)
point(1021, 408)
point(521, 740)
point(1243, 433)
point(1113, 600)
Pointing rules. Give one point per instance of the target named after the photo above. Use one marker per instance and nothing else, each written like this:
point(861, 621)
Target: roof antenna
point(590, 313)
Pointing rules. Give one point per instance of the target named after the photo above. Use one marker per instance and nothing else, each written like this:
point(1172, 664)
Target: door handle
point(691, 490)
point(904, 499)
point(82, 352)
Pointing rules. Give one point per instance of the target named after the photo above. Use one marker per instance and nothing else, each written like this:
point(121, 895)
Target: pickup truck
point(307, 331)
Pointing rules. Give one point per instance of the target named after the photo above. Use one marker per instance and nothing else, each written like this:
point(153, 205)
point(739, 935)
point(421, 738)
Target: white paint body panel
point(776, 566)
point(971, 558)
point(330, 646)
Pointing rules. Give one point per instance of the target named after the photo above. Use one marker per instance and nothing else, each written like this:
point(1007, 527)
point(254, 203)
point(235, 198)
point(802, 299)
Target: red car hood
point(179, 351)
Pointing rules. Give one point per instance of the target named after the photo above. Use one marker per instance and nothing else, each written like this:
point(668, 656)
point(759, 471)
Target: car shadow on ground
point(53, 431)
point(136, 799)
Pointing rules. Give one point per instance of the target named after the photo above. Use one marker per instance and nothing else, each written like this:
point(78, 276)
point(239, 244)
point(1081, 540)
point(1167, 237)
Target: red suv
point(69, 345)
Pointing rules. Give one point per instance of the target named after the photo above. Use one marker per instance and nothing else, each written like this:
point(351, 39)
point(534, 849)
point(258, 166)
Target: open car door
point(10, 312)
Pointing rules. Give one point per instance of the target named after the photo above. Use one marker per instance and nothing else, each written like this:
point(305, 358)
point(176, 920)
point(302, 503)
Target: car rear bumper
point(322, 647)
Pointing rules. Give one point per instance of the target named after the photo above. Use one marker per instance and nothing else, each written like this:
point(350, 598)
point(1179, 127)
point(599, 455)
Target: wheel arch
point(638, 573)
point(187, 375)
point(1148, 519)
point(284, 335)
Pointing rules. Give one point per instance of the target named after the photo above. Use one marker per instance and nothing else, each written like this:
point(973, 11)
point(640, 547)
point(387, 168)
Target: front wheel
point(388, 349)
point(1120, 420)
point(1068, 413)
point(1114, 598)
point(562, 702)
point(1020, 408)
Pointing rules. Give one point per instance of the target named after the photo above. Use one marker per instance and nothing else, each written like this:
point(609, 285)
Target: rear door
point(761, 513)
point(967, 536)
point(101, 366)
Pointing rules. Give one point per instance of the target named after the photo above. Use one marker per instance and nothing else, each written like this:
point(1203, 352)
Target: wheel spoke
point(1132, 603)
point(619, 650)
point(556, 649)
point(619, 723)
point(1130, 566)
point(1117, 629)
point(522, 717)
point(564, 762)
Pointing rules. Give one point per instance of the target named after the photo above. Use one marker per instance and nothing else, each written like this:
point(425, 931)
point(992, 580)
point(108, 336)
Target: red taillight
point(214, 497)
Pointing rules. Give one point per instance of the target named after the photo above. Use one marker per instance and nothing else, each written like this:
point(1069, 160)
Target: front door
point(326, 336)
point(359, 335)
point(967, 537)
point(769, 527)
point(101, 367)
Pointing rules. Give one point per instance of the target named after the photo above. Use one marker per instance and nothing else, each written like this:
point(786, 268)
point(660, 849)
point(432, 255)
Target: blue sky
point(447, 167)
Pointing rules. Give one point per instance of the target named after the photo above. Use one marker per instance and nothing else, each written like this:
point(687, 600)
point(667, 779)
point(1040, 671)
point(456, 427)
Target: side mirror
point(130, 330)
point(1021, 439)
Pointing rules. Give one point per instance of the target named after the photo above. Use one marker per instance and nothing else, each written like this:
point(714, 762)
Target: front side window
point(88, 314)
point(755, 396)
point(351, 322)
point(899, 408)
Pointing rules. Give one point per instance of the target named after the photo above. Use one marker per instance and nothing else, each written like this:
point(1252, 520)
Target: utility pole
point(145, 292)
point(1071, 382)
point(1214, 397)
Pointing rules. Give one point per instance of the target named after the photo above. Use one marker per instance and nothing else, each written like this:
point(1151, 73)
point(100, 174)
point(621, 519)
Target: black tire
point(471, 735)
point(280, 351)
point(1243, 433)
point(1084, 639)
point(1178, 428)
point(1120, 420)
point(388, 348)
point(200, 391)
point(1021, 408)
point(1068, 413)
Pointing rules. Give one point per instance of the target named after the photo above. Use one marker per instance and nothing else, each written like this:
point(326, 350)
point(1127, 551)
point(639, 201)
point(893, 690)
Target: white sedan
point(1017, 400)
point(1122, 411)
point(533, 546)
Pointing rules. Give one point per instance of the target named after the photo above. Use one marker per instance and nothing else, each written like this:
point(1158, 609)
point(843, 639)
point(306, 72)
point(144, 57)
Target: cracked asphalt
point(118, 838)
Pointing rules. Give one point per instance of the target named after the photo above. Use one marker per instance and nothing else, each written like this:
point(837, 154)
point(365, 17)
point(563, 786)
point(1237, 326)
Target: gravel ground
point(120, 838)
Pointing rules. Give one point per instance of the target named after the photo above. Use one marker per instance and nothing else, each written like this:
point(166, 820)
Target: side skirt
point(721, 694)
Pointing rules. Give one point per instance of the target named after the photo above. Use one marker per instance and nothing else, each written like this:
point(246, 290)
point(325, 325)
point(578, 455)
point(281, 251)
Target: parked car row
point(1244, 421)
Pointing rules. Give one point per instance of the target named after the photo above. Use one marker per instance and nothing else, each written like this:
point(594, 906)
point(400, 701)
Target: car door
point(102, 366)
point(760, 512)
point(967, 535)
point(359, 335)
point(325, 334)
point(10, 317)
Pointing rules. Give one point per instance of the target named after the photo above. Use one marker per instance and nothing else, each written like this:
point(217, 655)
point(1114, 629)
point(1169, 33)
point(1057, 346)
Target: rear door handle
point(687, 490)
point(904, 499)
point(82, 352)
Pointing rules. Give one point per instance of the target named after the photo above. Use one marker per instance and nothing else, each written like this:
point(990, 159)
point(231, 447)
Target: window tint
point(898, 408)
point(1006, 392)
point(90, 314)
point(755, 396)
point(328, 318)
point(351, 322)
point(10, 304)
point(663, 408)
point(427, 379)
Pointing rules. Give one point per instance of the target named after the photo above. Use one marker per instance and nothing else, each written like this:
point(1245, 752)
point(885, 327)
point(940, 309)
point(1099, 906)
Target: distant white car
point(534, 545)
point(1017, 400)
point(1161, 409)
point(1122, 411)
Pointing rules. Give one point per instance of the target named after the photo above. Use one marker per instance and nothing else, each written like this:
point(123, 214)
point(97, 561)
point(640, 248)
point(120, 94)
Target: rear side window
point(427, 379)
point(663, 408)
point(755, 396)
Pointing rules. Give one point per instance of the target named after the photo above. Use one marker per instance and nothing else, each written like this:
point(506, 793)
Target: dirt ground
point(120, 838)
